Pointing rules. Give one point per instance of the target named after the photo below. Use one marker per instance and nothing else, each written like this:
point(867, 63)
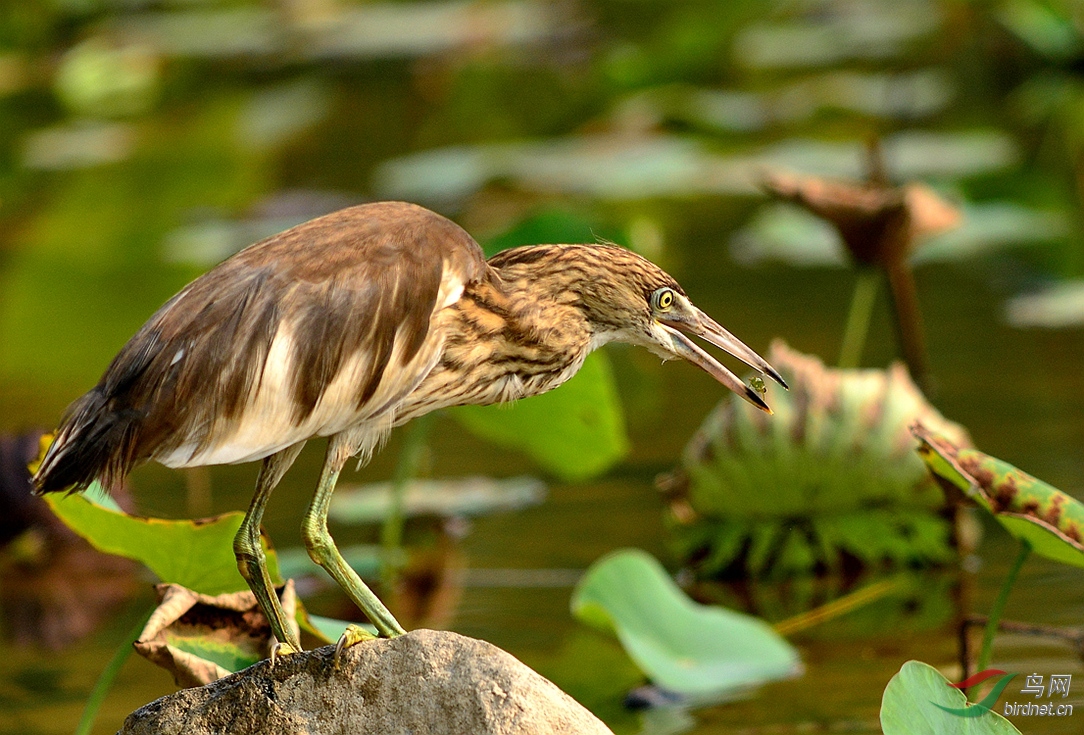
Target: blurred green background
point(141, 142)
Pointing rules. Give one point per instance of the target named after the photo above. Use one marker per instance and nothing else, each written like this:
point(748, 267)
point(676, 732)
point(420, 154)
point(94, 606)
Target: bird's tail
point(92, 443)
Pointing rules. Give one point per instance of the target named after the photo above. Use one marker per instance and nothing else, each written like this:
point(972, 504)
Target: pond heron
point(345, 327)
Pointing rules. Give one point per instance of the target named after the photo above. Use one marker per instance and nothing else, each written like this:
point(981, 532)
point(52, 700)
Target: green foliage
point(831, 475)
point(550, 226)
point(913, 701)
point(576, 431)
point(195, 554)
point(682, 646)
point(1047, 519)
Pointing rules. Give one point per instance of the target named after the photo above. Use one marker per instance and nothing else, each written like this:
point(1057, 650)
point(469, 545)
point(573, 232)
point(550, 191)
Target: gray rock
point(423, 682)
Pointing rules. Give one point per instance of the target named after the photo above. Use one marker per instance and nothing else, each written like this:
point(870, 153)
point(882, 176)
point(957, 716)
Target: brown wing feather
point(365, 278)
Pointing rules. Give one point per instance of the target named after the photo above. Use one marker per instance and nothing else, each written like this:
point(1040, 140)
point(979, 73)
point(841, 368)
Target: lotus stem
point(994, 619)
point(391, 535)
point(912, 339)
point(858, 318)
point(108, 676)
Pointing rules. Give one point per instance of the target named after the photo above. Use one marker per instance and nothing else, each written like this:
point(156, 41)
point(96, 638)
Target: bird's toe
point(282, 649)
point(353, 635)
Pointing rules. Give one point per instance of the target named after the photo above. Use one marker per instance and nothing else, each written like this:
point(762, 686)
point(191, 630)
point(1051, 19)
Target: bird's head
point(627, 298)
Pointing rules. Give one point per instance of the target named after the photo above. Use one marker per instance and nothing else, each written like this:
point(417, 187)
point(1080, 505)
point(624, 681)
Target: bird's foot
point(353, 635)
point(282, 649)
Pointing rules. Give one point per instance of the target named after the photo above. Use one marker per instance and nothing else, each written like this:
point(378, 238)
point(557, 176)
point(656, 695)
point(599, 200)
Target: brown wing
point(350, 289)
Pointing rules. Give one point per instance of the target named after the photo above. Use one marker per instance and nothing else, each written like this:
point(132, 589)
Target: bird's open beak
point(701, 325)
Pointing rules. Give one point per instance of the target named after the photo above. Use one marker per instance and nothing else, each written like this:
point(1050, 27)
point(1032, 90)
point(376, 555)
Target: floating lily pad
point(688, 648)
point(901, 95)
point(464, 497)
point(869, 31)
point(620, 167)
point(783, 232)
point(1058, 306)
point(194, 554)
point(1045, 517)
point(365, 559)
point(78, 145)
point(913, 702)
point(368, 31)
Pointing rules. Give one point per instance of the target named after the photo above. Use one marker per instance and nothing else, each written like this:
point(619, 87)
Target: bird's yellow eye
point(663, 299)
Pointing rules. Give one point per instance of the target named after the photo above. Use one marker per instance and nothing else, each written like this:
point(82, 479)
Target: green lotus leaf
point(696, 650)
point(916, 700)
point(197, 554)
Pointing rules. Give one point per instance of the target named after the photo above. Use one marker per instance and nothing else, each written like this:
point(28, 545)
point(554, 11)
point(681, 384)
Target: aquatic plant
point(1043, 518)
point(829, 482)
point(701, 652)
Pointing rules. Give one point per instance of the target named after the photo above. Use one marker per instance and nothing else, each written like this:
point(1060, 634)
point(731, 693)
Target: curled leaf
point(879, 224)
point(200, 638)
point(684, 647)
point(830, 477)
point(1050, 520)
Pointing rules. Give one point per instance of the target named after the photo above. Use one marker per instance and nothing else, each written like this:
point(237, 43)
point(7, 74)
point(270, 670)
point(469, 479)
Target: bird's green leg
point(322, 549)
point(251, 560)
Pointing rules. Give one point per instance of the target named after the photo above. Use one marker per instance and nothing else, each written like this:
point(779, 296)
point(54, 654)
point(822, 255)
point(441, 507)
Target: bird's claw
point(281, 649)
point(353, 635)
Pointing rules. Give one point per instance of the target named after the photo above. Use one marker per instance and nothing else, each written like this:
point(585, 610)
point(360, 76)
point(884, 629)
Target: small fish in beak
point(692, 321)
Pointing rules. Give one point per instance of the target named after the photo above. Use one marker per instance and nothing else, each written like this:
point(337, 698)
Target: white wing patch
point(266, 425)
point(450, 291)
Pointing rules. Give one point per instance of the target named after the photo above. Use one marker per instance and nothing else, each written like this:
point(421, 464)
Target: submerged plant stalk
point(391, 535)
point(998, 609)
point(902, 291)
point(836, 608)
point(108, 676)
point(858, 318)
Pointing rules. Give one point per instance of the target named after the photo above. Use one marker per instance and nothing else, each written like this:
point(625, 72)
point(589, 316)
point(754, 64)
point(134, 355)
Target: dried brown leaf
point(192, 635)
